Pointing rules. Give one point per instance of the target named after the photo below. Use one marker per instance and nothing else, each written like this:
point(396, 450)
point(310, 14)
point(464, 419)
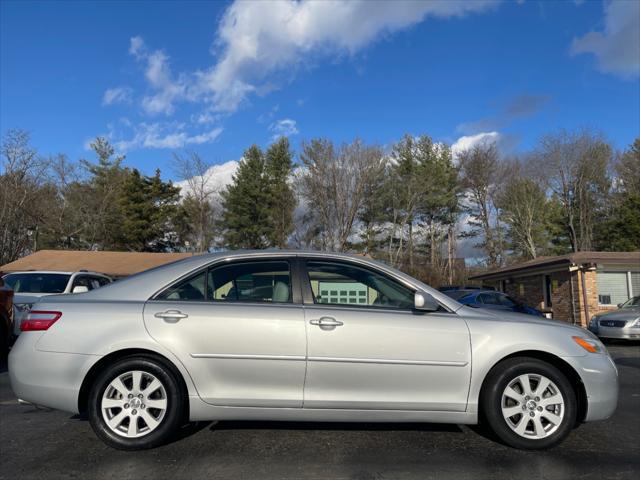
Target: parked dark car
point(6, 318)
point(491, 300)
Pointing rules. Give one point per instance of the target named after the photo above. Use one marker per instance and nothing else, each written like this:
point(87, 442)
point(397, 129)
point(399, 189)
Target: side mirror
point(619, 305)
point(79, 289)
point(424, 302)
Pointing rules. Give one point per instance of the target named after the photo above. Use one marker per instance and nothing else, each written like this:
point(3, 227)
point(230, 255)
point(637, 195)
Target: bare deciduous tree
point(480, 176)
point(523, 203)
point(577, 167)
point(199, 198)
point(333, 186)
point(22, 204)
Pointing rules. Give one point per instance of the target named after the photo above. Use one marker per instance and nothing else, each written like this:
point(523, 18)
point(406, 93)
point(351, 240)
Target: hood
point(620, 314)
point(512, 317)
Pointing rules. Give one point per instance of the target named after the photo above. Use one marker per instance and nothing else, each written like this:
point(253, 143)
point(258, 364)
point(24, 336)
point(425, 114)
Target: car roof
point(56, 272)
point(469, 291)
point(143, 285)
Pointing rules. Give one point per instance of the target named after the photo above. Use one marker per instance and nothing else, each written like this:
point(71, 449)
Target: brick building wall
point(527, 290)
point(566, 294)
point(591, 283)
point(562, 295)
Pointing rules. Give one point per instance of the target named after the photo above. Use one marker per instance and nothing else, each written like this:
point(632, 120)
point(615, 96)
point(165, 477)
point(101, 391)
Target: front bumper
point(625, 333)
point(600, 379)
point(46, 378)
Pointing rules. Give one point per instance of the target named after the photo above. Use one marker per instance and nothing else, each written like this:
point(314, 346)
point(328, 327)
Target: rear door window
point(268, 281)
point(192, 289)
point(257, 281)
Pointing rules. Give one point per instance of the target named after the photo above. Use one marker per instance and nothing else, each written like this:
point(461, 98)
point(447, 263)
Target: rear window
point(37, 282)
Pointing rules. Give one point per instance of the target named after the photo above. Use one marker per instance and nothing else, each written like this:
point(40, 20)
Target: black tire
point(491, 399)
point(171, 420)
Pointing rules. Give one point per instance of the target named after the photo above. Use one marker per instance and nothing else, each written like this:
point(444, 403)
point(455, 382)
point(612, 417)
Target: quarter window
point(83, 281)
point(336, 283)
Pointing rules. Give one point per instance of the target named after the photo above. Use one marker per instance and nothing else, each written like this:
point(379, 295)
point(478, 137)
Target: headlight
point(23, 307)
point(636, 323)
point(594, 321)
point(589, 344)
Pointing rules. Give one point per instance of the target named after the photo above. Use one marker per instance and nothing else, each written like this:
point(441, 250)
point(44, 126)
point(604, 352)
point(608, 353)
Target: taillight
point(39, 320)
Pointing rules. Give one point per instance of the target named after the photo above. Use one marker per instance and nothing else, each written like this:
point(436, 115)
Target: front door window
point(335, 283)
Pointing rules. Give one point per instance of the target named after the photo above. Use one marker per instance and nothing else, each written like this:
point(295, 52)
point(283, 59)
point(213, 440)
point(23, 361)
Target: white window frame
point(627, 272)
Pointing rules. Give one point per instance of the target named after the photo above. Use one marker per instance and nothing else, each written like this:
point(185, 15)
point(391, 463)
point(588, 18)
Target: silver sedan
point(621, 324)
point(303, 336)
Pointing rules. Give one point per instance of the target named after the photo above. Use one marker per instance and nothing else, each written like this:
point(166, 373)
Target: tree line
point(411, 205)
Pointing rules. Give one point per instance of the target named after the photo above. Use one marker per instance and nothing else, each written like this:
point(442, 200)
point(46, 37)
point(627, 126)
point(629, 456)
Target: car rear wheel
point(136, 403)
point(528, 403)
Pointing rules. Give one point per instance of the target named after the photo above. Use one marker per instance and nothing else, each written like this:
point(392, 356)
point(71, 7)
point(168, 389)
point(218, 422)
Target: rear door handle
point(326, 323)
point(171, 315)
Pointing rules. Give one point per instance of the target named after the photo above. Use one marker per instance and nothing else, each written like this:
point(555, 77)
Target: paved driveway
point(49, 444)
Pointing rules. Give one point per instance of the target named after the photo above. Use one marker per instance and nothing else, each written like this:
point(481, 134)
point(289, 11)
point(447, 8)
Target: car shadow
point(621, 343)
point(628, 362)
point(335, 426)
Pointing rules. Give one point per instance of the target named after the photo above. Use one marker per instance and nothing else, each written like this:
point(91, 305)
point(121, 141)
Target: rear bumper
point(600, 378)
point(46, 378)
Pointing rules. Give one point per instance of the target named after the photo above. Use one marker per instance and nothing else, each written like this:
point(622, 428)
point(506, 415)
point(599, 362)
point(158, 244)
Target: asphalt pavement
point(50, 444)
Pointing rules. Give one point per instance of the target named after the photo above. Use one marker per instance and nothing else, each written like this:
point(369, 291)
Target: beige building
point(114, 264)
point(571, 287)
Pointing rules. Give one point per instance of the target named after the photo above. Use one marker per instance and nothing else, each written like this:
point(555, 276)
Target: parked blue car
point(490, 299)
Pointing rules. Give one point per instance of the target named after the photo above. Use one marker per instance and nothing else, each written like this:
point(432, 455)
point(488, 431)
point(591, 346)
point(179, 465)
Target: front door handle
point(326, 323)
point(171, 315)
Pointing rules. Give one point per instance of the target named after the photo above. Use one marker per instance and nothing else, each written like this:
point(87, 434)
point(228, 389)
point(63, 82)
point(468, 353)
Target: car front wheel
point(136, 403)
point(528, 403)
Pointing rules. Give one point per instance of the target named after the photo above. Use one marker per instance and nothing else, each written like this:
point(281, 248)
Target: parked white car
point(31, 286)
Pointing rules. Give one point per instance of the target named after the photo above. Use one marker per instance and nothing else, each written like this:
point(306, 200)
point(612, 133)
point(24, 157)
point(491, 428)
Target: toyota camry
point(303, 336)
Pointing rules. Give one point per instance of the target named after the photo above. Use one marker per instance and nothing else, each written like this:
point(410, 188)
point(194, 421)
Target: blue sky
point(162, 77)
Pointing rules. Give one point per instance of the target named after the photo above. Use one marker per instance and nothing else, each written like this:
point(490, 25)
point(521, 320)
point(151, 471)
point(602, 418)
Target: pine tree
point(147, 206)
point(246, 219)
point(100, 215)
point(281, 203)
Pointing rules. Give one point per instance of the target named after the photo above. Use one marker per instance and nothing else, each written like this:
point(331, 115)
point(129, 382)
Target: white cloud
point(216, 178)
point(166, 89)
point(256, 40)
point(117, 95)
point(259, 38)
point(137, 46)
point(156, 135)
point(204, 118)
point(283, 128)
point(470, 141)
point(617, 48)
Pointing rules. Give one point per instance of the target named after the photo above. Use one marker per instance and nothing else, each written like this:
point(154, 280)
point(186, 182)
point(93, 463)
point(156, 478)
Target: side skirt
point(201, 411)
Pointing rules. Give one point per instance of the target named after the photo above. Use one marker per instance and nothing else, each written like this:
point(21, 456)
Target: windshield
point(37, 282)
point(457, 294)
point(632, 302)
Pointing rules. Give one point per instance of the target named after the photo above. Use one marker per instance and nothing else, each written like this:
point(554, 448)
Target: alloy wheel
point(134, 404)
point(533, 406)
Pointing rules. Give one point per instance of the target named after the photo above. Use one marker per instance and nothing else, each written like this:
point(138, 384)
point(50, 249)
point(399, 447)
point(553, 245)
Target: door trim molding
point(388, 362)
point(301, 358)
point(232, 356)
